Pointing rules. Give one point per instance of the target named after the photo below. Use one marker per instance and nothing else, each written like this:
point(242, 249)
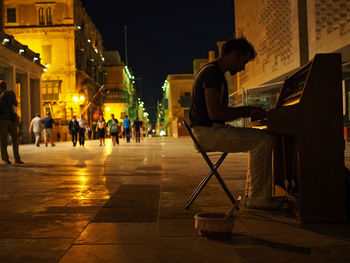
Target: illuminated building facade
point(71, 48)
point(177, 91)
point(20, 68)
point(286, 35)
point(120, 97)
point(119, 86)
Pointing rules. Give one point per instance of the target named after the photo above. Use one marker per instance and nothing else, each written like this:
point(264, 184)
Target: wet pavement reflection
point(126, 204)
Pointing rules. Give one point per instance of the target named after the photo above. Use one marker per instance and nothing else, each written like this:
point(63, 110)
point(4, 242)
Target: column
point(35, 97)
point(25, 106)
point(10, 78)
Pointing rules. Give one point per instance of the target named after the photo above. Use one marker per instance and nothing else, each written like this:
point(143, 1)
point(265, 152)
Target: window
point(48, 16)
point(11, 15)
point(41, 16)
point(51, 89)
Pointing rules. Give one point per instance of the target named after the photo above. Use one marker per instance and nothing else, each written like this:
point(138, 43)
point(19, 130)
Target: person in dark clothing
point(137, 126)
point(114, 129)
point(48, 123)
point(8, 124)
point(74, 129)
point(209, 111)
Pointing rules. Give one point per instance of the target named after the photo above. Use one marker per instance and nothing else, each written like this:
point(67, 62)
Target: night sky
point(163, 37)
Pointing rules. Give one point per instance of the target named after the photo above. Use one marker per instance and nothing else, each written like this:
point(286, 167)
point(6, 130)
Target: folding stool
point(213, 170)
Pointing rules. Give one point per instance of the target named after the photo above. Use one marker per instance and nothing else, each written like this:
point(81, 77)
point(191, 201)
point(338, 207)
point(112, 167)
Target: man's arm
point(219, 112)
point(30, 127)
point(15, 102)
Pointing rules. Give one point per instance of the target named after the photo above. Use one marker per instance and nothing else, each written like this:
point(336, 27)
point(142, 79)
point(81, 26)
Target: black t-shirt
point(210, 76)
point(136, 125)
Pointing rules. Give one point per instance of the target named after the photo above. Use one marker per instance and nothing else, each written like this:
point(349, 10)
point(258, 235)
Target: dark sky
point(163, 37)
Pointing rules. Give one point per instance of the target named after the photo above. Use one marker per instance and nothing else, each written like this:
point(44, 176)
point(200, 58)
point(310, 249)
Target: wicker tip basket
point(213, 225)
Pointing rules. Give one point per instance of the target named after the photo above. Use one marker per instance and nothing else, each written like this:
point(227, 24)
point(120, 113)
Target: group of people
point(9, 123)
point(76, 127)
point(47, 124)
point(117, 130)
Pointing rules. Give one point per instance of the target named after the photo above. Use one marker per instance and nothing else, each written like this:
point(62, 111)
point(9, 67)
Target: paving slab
point(126, 204)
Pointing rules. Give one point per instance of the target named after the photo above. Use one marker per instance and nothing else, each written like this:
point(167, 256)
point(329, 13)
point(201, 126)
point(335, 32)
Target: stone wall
point(272, 27)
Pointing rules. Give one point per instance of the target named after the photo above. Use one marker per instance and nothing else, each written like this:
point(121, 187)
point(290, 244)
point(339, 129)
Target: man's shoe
point(272, 203)
point(53, 145)
point(19, 162)
point(38, 145)
point(6, 162)
point(46, 144)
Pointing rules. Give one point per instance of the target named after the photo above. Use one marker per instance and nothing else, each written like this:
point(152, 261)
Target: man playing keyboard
point(209, 111)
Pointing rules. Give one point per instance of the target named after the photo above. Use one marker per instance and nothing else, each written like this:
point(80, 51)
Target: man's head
point(48, 114)
point(37, 115)
point(81, 116)
point(126, 116)
point(74, 117)
point(236, 53)
point(112, 116)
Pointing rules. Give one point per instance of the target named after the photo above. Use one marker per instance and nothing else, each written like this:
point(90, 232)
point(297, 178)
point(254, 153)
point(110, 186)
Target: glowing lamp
point(108, 109)
point(76, 99)
point(82, 98)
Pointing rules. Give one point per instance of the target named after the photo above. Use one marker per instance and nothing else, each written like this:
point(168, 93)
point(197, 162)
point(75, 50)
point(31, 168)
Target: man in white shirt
point(82, 129)
point(37, 127)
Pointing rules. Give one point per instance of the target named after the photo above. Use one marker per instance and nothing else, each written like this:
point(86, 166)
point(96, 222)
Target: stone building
point(120, 94)
point(21, 69)
point(286, 35)
point(176, 102)
point(71, 48)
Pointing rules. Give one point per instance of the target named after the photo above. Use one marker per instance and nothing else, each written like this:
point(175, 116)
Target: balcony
point(116, 96)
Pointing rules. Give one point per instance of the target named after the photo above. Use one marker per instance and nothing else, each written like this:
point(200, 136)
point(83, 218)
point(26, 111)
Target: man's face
point(238, 62)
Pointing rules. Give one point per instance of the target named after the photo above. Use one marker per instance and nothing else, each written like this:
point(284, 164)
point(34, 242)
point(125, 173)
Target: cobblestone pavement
point(126, 204)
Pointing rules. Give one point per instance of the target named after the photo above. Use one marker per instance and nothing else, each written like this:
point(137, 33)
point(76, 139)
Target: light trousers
point(37, 138)
point(259, 144)
point(9, 127)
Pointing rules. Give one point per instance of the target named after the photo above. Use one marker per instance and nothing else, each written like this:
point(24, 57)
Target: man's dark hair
point(240, 44)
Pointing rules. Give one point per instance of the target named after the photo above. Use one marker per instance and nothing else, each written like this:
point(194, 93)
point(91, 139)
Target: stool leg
point(224, 186)
point(204, 181)
point(218, 177)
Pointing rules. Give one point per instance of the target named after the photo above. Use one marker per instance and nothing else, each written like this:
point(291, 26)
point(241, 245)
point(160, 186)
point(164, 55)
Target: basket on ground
point(213, 225)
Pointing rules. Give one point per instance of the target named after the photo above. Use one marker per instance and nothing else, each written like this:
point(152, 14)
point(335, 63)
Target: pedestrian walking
point(73, 127)
point(137, 127)
point(101, 130)
point(36, 125)
point(49, 124)
point(82, 129)
point(114, 129)
point(126, 127)
point(8, 124)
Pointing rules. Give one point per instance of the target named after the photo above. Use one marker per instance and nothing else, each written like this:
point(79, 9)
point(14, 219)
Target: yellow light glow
point(75, 98)
point(108, 109)
point(82, 98)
